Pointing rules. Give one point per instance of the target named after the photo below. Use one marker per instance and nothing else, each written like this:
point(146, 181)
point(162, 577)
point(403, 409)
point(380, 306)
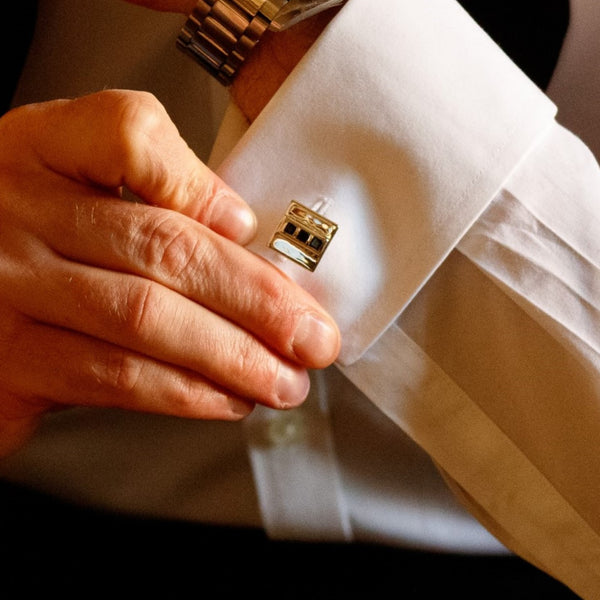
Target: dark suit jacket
point(19, 18)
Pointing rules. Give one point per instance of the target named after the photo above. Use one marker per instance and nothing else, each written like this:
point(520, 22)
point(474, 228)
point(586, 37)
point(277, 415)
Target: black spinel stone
point(316, 243)
point(289, 228)
point(303, 236)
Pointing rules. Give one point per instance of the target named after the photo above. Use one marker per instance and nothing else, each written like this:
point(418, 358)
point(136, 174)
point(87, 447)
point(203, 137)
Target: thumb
point(120, 138)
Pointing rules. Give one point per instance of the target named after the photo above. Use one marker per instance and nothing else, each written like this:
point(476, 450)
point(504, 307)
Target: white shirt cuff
point(388, 118)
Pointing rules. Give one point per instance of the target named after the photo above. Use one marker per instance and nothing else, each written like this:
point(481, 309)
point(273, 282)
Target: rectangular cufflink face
point(303, 235)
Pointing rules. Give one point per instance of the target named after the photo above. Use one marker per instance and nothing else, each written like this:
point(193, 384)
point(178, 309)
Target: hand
point(140, 305)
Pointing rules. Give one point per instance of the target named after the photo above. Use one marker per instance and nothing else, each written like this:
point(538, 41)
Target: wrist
point(272, 60)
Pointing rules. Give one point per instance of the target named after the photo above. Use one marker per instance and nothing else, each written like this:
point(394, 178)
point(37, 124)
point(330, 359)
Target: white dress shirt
point(464, 277)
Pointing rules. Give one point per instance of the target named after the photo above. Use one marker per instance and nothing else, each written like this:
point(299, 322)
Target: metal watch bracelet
point(219, 34)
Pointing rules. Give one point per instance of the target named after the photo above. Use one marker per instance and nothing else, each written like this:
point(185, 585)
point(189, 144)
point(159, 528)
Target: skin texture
point(152, 305)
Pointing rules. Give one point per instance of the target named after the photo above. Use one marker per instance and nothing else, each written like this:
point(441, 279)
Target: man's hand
point(140, 305)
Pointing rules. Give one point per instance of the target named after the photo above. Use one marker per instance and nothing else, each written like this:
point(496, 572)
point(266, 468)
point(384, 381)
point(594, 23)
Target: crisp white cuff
point(407, 118)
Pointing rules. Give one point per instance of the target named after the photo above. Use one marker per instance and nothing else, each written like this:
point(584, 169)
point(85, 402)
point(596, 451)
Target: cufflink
point(303, 235)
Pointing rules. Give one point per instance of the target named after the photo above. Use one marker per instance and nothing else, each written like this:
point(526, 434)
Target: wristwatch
point(219, 34)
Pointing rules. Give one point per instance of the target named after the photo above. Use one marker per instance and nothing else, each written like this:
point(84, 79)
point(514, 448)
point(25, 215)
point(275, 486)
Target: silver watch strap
point(219, 34)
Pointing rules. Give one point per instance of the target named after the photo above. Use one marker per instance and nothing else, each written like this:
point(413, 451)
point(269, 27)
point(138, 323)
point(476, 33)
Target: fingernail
point(234, 219)
point(316, 341)
point(293, 384)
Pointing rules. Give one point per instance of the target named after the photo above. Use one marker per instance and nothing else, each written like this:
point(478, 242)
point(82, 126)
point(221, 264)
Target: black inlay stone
point(316, 243)
point(303, 236)
point(289, 228)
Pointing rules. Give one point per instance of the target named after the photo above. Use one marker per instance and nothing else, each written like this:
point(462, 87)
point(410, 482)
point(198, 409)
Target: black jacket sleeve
point(20, 19)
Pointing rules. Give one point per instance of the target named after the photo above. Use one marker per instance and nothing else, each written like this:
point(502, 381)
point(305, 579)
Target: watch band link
point(219, 34)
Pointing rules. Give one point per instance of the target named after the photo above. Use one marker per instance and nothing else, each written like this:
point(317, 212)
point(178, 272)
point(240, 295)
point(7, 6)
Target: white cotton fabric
point(406, 168)
point(490, 437)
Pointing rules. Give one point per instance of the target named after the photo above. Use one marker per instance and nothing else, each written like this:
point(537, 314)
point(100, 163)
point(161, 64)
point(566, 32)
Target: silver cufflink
point(303, 235)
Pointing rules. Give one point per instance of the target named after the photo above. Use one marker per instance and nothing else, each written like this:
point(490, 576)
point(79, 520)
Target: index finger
point(120, 138)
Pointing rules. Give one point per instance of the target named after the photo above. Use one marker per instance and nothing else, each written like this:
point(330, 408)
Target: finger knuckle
point(256, 370)
point(170, 247)
point(144, 309)
point(139, 121)
point(136, 111)
point(121, 372)
point(277, 301)
point(207, 193)
point(197, 398)
point(191, 399)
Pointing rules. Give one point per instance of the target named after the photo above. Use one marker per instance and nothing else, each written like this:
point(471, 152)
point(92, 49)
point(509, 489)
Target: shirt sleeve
point(465, 272)
point(501, 363)
point(407, 139)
